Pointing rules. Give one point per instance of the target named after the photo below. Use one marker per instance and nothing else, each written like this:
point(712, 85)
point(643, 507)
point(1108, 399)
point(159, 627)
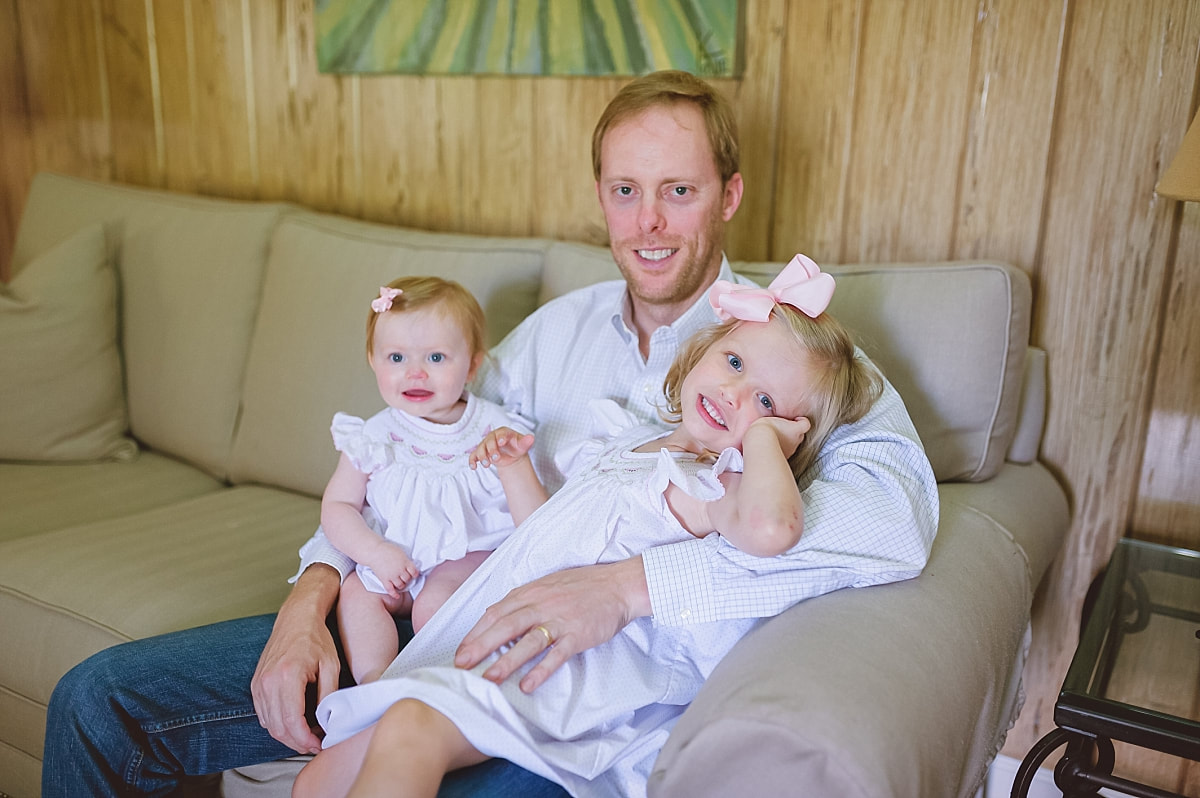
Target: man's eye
point(680, 191)
point(624, 191)
point(396, 357)
point(436, 357)
point(766, 402)
point(735, 362)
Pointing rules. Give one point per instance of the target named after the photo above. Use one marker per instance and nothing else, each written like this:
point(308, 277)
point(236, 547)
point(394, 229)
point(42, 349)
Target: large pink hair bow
point(801, 284)
point(384, 301)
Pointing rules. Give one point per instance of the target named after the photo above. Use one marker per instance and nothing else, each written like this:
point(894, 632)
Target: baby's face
point(759, 369)
point(422, 363)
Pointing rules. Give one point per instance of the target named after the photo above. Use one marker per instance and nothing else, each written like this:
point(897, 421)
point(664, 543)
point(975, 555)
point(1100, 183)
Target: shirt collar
point(695, 317)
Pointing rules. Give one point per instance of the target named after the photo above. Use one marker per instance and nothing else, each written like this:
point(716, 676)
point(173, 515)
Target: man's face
point(665, 205)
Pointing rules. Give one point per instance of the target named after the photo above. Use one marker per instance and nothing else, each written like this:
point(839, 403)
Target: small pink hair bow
point(801, 284)
point(384, 302)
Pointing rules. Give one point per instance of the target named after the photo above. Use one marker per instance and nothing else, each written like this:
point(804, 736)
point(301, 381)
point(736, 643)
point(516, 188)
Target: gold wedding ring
point(546, 632)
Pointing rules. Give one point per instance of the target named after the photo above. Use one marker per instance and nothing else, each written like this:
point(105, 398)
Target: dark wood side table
point(1143, 616)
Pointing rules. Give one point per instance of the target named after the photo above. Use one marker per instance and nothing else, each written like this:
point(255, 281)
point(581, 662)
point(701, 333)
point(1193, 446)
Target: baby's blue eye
point(735, 362)
point(396, 357)
point(436, 357)
point(766, 402)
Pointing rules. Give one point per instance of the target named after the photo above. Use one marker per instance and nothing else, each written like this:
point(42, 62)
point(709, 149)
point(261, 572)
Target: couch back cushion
point(308, 358)
point(951, 337)
point(190, 272)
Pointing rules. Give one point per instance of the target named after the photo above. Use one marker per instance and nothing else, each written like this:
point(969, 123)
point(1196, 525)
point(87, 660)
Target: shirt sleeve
point(870, 516)
point(318, 549)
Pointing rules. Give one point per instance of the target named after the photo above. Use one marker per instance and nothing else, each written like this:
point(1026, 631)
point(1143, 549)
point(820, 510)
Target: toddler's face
point(757, 370)
point(422, 363)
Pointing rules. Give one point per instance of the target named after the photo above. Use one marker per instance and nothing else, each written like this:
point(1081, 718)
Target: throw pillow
point(61, 394)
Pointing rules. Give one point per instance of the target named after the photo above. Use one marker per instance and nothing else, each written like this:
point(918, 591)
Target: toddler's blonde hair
point(845, 386)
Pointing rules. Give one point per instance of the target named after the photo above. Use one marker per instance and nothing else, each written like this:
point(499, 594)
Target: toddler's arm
point(341, 517)
point(508, 451)
point(761, 512)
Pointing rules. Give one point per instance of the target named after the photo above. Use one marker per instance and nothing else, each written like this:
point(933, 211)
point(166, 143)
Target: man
point(665, 158)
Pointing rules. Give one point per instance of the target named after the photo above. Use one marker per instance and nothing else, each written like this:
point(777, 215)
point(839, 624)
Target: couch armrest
point(898, 690)
point(1031, 412)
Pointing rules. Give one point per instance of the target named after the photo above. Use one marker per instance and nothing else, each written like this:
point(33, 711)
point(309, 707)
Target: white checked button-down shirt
point(871, 508)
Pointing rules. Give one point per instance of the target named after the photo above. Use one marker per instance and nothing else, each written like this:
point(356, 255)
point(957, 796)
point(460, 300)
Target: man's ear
point(733, 196)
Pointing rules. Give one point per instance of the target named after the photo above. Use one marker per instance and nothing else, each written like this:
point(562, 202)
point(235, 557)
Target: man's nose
point(650, 218)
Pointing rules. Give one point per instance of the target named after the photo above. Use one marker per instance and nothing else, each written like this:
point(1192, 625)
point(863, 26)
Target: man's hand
point(568, 612)
point(299, 652)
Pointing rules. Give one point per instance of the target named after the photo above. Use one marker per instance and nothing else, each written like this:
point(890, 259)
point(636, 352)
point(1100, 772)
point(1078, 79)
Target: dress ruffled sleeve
point(609, 419)
point(350, 438)
point(696, 480)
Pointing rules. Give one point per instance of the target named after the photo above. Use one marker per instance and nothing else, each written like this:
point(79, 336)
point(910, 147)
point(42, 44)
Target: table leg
point(1033, 760)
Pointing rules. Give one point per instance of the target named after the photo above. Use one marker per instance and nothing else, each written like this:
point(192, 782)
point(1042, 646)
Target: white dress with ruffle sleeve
point(596, 725)
point(421, 491)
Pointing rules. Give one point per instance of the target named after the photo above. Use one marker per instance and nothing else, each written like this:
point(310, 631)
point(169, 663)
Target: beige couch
point(168, 368)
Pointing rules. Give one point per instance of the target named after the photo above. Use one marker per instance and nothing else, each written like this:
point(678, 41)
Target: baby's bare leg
point(412, 748)
point(368, 632)
point(441, 581)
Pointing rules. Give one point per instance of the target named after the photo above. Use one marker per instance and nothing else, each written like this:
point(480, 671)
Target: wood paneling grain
point(1014, 78)
point(756, 99)
point(178, 91)
point(816, 119)
point(221, 115)
point(1100, 273)
point(67, 94)
point(496, 192)
point(16, 145)
point(1166, 509)
point(131, 64)
point(564, 199)
point(307, 125)
point(907, 139)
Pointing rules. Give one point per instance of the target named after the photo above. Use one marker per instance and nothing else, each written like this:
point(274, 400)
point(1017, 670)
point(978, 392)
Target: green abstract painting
point(528, 37)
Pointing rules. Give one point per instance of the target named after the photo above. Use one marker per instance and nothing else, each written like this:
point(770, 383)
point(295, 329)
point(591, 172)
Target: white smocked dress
point(421, 491)
point(596, 725)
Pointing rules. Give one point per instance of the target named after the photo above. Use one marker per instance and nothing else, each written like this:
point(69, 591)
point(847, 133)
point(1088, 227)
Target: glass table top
point(1136, 673)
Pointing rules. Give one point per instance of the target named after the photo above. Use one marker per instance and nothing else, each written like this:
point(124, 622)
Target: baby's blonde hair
point(844, 389)
point(451, 299)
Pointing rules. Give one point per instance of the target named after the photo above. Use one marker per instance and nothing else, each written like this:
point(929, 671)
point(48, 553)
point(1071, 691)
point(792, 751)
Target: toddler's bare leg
point(412, 748)
point(331, 772)
point(368, 631)
point(441, 581)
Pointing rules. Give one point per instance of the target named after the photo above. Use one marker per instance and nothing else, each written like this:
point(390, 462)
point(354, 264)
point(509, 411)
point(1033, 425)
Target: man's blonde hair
point(665, 89)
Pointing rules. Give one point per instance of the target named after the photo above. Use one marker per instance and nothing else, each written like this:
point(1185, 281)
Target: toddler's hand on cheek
point(788, 432)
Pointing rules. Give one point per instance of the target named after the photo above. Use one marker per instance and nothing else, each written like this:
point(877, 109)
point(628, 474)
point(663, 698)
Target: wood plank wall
point(1031, 131)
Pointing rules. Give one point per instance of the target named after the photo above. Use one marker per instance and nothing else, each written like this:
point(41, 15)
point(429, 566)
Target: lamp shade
point(1181, 181)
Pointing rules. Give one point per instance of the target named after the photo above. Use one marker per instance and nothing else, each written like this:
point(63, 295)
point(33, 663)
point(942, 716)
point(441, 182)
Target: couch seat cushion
point(66, 594)
point(39, 497)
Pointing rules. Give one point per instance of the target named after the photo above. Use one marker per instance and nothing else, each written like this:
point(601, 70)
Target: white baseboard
point(1003, 773)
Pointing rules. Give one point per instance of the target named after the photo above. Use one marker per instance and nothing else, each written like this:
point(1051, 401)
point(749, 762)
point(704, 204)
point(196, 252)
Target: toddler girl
point(752, 400)
point(402, 502)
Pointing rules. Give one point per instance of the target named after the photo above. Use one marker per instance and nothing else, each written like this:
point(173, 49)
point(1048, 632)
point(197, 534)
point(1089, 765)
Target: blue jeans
point(135, 719)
